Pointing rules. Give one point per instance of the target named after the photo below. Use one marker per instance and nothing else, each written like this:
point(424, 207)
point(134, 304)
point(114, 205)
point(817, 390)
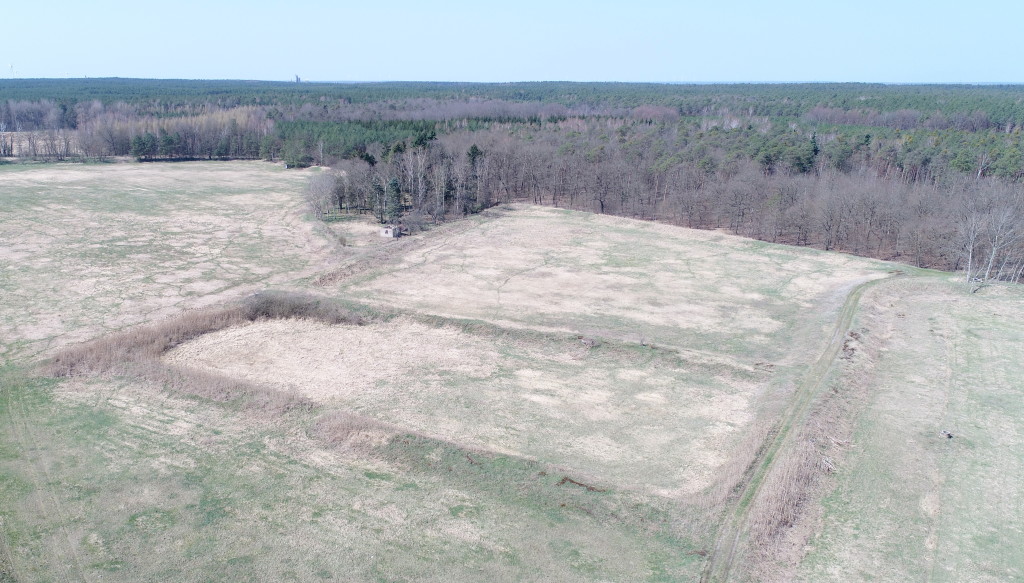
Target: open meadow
point(932, 486)
point(200, 383)
point(87, 249)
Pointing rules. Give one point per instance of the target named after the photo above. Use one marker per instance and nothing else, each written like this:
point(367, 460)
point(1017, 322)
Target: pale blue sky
point(529, 40)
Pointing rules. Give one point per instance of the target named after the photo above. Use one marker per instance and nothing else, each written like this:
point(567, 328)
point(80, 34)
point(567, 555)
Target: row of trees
point(777, 145)
point(990, 232)
point(1002, 105)
point(947, 224)
point(408, 182)
point(241, 133)
point(904, 119)
point(892, 172)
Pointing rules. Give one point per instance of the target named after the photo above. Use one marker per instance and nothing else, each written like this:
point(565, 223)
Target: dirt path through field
point(722, 558)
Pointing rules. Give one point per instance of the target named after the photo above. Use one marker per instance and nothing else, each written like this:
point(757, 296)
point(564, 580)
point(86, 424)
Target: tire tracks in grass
point(64, 561)
point(722, 557)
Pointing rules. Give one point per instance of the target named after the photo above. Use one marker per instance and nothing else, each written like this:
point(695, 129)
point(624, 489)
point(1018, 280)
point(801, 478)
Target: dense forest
point(929, 175)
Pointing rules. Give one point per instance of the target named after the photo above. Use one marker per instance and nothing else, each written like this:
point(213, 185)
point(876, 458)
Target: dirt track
point(722, 557)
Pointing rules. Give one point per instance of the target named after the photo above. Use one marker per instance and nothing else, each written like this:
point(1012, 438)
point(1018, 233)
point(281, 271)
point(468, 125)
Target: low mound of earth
point(633, 415)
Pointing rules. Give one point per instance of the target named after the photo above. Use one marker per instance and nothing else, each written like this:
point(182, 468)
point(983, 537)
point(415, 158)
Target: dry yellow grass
point(663, 353)
point(544, 268)
point(89, 249)
point(634, 418)
point(538, 393)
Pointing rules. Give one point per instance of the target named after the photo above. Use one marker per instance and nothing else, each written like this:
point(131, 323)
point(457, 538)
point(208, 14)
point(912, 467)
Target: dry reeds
point(280, 305)
point(780, 516)
point(119, 352)
point(138, 351)
point(349, 431)
point(785, 491)
point(736, 472)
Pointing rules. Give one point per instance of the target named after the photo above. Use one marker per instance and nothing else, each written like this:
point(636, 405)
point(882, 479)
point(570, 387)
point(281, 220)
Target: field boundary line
point(722, 557)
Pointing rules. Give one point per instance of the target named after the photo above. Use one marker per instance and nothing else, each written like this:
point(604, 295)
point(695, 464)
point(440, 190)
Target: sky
point(893, 41)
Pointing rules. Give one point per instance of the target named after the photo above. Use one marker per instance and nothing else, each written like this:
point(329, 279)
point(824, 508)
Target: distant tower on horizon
point(298, 79)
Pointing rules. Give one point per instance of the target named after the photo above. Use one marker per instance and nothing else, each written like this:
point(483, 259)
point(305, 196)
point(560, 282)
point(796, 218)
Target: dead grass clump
point(120, 352)
point(781, 516)
point(274, 402)
point(284, 305)
point(785, 491)
point(341, 429)
point(124, 351)
point(733, 475)
point(224, 389)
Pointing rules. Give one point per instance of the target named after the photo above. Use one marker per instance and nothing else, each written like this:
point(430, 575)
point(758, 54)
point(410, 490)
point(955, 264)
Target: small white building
point(390, 231)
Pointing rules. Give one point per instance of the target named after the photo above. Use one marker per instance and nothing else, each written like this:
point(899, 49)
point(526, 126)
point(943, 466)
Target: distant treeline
point(915, 173)
point(1002, 104)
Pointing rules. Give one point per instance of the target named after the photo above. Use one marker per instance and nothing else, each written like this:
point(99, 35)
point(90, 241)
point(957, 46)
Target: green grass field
point(912, 503)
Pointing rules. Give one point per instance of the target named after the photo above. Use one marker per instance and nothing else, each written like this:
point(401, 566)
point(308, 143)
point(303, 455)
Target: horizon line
point(382, 81)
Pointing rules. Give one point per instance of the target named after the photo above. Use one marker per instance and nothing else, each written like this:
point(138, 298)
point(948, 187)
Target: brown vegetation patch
point(787, 510)
point(354, 432)
point(138, 351)
point(603, 410)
